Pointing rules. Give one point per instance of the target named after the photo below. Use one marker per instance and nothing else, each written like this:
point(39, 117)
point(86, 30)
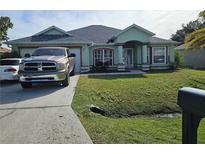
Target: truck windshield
point(49, 52)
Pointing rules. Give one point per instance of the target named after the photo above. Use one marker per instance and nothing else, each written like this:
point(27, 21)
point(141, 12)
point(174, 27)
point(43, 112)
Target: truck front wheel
point(26, 85)
point(66, 82)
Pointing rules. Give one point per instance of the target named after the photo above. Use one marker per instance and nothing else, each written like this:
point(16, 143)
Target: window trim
point(165, 55)
point(103, 49)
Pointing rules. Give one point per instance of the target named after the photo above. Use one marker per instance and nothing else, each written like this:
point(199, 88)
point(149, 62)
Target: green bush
point(178, 60)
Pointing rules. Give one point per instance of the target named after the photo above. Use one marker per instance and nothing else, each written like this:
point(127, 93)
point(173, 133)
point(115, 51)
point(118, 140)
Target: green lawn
point(130, 101)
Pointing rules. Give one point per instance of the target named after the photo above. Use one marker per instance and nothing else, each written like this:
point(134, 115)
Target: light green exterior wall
point(133, 34)
point(171, 54)
point(85, 56)
point(139, 55)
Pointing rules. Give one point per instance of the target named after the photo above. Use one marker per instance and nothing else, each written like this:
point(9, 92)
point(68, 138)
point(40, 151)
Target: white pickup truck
point(47, 64)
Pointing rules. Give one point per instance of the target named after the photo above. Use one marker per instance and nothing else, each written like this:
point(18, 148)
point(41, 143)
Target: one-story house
point(131, 48)
point(193, 58)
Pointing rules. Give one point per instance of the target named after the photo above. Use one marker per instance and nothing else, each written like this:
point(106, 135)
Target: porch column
point(144, 54)
point(121, 65)
point(145, 65)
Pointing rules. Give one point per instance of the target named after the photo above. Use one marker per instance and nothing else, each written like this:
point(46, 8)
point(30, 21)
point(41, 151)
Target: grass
point(125, 97)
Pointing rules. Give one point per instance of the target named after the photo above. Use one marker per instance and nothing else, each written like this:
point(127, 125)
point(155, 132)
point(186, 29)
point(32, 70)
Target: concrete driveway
point(41, 114)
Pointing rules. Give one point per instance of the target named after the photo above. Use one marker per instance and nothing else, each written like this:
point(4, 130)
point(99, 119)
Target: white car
point(9, 68)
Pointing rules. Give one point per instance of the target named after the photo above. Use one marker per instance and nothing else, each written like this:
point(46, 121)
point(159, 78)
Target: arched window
point(103, 57)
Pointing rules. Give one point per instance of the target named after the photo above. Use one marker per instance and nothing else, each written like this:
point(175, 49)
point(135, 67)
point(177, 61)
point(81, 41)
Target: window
point(103, 57)
point(159, 55)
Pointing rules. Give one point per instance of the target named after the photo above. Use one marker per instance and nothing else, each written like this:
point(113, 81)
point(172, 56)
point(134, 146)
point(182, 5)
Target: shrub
point(178, 60)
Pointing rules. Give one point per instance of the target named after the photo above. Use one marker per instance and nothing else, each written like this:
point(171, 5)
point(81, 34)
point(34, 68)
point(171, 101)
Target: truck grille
point(39, 66)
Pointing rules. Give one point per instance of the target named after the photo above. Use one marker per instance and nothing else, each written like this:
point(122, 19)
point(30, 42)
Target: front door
point(128, 57)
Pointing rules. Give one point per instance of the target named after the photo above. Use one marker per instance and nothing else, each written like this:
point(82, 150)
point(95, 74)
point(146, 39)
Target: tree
point(5, 24)
point(196, 39)
point(188, 28)
point(202, 15)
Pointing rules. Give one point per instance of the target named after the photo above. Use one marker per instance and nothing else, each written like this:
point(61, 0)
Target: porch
point(130, 55)
point(121, 57)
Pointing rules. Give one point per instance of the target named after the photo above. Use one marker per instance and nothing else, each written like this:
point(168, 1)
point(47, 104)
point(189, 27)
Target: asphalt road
point(42, 114)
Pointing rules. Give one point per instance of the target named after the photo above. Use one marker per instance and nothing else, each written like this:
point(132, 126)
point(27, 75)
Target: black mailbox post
point(192, 102)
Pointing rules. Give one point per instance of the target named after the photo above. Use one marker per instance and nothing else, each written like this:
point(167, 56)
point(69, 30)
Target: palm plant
point(196, 39)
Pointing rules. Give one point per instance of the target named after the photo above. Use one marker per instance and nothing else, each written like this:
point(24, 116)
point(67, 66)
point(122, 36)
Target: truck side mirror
point(72, 55)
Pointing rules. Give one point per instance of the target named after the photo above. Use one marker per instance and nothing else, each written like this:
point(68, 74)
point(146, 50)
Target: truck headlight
point(60, 66)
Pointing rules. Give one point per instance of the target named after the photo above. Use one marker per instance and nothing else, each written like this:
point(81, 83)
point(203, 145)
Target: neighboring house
point(133, 47)
point(192, 58)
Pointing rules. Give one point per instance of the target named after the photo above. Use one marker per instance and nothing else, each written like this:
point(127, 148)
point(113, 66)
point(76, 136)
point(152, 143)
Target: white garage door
point(24, 51)
point(76, 51)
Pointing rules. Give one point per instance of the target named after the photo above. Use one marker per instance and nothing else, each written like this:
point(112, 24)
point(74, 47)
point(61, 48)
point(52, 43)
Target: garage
point(77, 53)
point(24, 51)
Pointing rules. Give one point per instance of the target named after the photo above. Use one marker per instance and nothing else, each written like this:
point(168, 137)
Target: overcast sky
point(163, 23)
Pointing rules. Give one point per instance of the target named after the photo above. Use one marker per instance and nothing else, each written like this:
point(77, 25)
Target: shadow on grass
point(162, 71)
point(127, 76)
point(113, 77)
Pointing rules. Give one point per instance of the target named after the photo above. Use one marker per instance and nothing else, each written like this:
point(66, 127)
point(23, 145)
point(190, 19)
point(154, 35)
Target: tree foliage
point(196, 39)
point(202, 15)
point(188, 28)
point(5, 24)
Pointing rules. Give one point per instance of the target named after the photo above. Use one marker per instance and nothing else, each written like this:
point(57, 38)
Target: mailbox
point(192, 102)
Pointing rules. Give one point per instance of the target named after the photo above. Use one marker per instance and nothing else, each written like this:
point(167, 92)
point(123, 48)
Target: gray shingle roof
point(89, 34)
point(156, 40)
point(50, 39)
point(181, 47)
point(96, 33)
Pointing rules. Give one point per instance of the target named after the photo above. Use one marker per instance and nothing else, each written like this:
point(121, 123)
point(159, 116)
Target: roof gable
point(53, 30)
point(133, 33)
point(138, 28)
